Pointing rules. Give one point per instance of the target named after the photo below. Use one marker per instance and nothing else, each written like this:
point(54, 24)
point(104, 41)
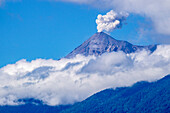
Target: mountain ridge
point(101, 42)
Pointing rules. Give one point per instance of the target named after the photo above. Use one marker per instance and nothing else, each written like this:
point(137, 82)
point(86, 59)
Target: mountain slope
point(142, 97)
point(100, 43)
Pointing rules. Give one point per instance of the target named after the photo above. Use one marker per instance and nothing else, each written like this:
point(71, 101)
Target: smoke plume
point(110, 21)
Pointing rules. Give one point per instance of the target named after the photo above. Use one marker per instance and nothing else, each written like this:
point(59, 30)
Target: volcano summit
point(101, 42)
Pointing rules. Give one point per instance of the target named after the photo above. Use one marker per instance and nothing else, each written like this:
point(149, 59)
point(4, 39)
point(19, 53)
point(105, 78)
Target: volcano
point(101, 43)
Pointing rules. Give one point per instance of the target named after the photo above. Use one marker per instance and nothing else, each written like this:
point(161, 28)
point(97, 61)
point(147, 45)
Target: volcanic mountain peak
point(101, 42)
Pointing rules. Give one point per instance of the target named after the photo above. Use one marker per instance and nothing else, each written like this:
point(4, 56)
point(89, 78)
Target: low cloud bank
point(67, 81)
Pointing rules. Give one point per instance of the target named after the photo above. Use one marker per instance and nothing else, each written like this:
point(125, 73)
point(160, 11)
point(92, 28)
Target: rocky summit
point(101, 42)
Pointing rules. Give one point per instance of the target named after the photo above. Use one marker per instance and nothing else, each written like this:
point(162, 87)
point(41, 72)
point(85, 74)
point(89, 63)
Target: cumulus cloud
point(110, 21)
point(67, 81)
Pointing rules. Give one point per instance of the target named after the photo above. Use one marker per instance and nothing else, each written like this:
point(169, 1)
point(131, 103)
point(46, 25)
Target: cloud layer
point(67, 81)
point(110, 21)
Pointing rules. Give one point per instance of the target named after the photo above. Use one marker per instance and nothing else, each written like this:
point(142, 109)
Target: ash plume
point(110, 21)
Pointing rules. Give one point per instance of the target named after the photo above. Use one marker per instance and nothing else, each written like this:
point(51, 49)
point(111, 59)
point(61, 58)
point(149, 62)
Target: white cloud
point(156, 10)
point(70, 80)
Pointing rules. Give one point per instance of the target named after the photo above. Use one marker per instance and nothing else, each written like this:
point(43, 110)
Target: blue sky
point(42, 29)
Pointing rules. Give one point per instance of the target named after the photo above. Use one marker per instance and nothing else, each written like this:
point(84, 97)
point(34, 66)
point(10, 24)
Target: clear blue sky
point(33, 29)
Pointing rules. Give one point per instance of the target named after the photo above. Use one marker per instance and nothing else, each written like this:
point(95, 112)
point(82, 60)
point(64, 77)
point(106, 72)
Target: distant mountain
point(142, 97)
point(101, 42)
